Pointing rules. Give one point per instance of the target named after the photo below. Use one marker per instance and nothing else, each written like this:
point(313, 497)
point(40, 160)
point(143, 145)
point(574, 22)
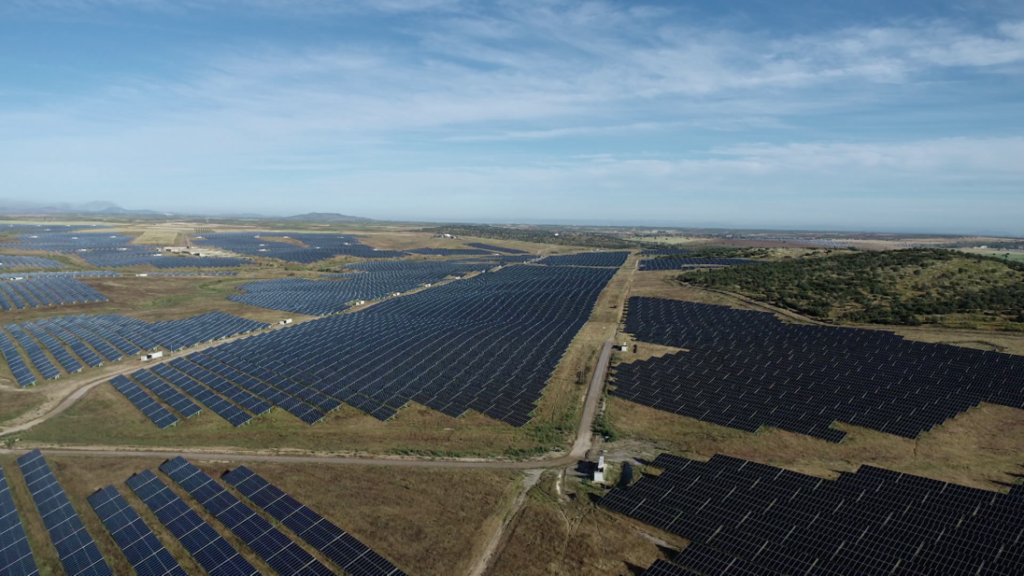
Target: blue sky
point(894, 115)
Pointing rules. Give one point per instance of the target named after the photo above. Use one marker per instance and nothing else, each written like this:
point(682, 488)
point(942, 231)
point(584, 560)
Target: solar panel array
point(180, 274)
point(28, 262)
point(748, 369)
point(200, 539)
point(76, 549)
point(493, 248)
point(748, 518)
point(275, 245)
point(119, 256)
point(665, 251)
point(160, 416)
point(354, 557)
point(449, 252)
point(15, 552)
point(140, 546)
point(276, 549)
point(112, 250)
point(690, 263)
point(68, 274)
point(41, 291)
point(22, 374)
point(368, 281)
point(77, 341)
point(487, 343)
point(67, 241)
point(206, 397)
point(609, 259)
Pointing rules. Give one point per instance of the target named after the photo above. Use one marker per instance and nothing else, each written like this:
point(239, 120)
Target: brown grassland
point(561, 531)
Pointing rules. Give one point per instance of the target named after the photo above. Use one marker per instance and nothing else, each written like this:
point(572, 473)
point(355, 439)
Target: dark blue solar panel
point(140, 546)
point(160, 416)
point(76, 549)
point(208, 548)
point(176, 400)
point(350, 554)
point(220, 406)
point(15, 552)
point(276, 549)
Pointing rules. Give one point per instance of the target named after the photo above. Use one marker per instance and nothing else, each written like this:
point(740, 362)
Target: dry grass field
point(983, 447)
point(429, 522)
point(160, 237)
point(561, 531)
point(14, 403)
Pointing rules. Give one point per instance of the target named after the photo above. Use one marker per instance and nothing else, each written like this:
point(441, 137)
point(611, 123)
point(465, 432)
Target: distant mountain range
point(328, 217)
point(9, 206)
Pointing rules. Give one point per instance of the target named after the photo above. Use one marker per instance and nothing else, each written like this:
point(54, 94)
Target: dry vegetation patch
point(569, 534)
point(983, 447)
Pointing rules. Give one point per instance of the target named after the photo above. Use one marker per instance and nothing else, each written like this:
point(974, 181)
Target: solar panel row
point(343, 549)
point(749, 518)
point(160, 416)
point(276, 549)
point(76, 549)
point(72, 274)
point(304, 248)
point(205, 545)
point(748, 369)
point(368, 281)
point(140, 546)
point(28, 262)
point(108, 250)
point(604, 259)
point(46, 291)
point(219, 405)
point(22, 374)
point(15, 553)
point(493, 248)
point(98, 339)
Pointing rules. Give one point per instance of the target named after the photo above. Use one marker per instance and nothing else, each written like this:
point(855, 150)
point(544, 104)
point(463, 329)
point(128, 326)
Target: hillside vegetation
point(909, 287)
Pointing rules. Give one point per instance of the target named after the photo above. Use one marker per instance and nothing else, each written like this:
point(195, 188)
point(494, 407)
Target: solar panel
point(176, 400)
point(159, 415)
point(606, 259)
point(220, 406)
point(15, 552)
point(208, 548)
point(746, 369)
point(343, 549)
point(138, 543)
point(76, 549)
point(276, 549)
point(748, 518)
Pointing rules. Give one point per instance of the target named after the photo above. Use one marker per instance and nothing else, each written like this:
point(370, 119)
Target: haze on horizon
point(866, 115)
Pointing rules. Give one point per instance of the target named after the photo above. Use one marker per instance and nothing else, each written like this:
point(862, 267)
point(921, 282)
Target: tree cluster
point(907, 287)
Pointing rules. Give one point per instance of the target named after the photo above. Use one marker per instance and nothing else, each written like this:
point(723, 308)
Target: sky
point(897, 115)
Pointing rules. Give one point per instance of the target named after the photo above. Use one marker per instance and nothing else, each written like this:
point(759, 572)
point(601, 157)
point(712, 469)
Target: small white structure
point(285, 321)
point(143, 275)
point(151, 356)
point(599, 471)
point(360, 302)
point(624, 347)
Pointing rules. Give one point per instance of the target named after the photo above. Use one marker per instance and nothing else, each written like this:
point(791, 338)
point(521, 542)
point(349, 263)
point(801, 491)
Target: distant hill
point(12, 206)
point(327, 217)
